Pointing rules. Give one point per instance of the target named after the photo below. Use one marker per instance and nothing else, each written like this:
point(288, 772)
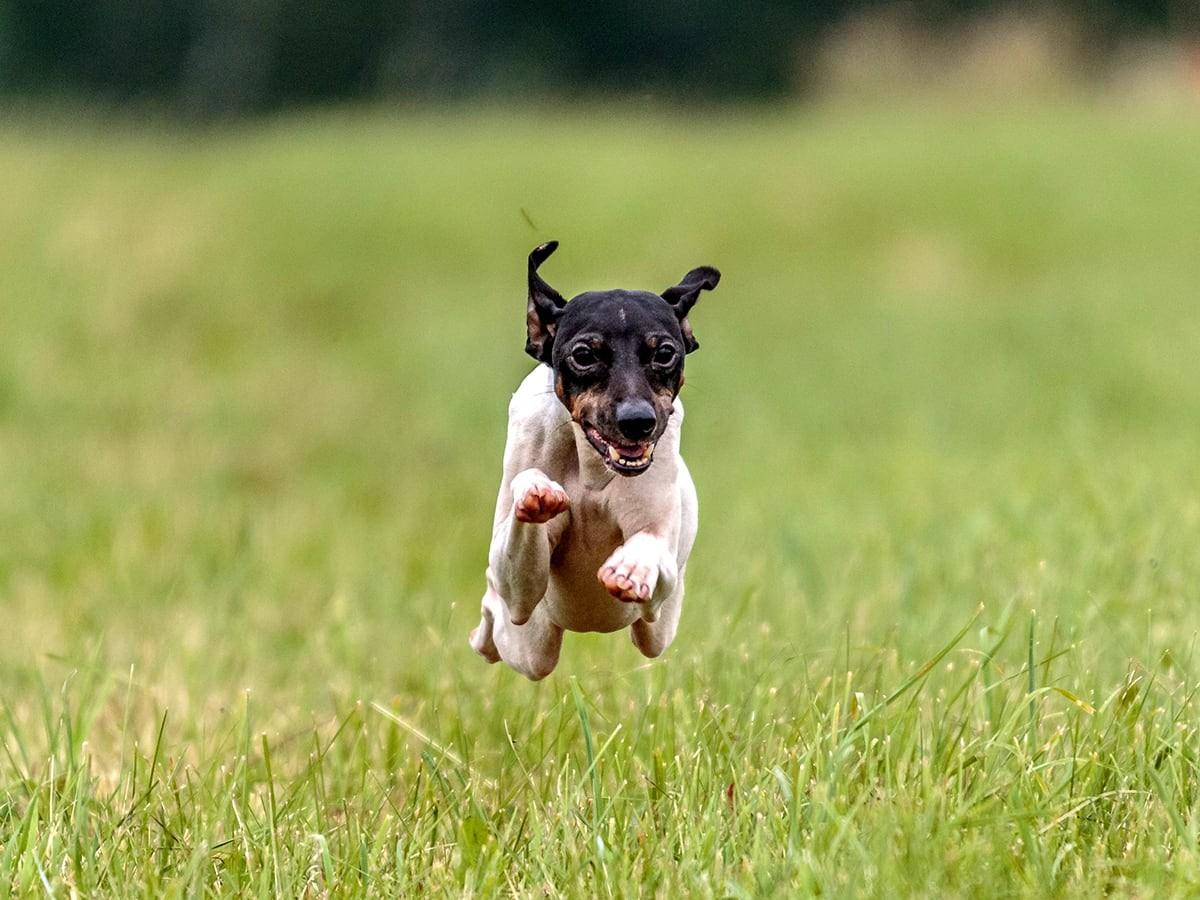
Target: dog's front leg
point(519, 561)
point(642, 570)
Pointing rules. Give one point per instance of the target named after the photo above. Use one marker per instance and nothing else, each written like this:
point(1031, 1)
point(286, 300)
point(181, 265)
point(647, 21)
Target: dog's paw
point(629, 575)
point(536, 498)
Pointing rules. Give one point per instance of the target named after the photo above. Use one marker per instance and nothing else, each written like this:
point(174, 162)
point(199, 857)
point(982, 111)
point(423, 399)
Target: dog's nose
point(636, 419)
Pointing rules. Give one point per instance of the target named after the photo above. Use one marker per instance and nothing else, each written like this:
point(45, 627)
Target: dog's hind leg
point(482, 638)
point(531, 649)
point(652, 638)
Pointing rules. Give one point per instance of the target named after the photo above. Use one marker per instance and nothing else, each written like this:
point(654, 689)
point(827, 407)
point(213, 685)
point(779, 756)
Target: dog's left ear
point(684, 295)
point(545, 306)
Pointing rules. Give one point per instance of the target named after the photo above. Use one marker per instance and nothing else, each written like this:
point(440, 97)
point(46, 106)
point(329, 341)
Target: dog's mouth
point(625, 459)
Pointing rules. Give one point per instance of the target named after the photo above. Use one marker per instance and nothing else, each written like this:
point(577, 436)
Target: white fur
point(544, 579)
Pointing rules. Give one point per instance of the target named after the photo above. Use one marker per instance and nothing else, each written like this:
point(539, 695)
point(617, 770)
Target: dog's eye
point(584, 356)
point(664, 355)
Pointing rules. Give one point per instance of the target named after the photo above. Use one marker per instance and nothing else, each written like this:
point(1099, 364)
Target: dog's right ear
point(545, 306)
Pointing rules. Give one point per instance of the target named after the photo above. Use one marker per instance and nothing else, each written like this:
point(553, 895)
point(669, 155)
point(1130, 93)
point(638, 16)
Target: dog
point(597, 512)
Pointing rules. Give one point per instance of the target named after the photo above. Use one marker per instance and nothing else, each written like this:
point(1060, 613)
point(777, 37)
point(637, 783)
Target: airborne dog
point(597, 512)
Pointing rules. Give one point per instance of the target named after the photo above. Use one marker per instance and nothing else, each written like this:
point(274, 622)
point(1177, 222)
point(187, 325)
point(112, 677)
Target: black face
point(618, 364)
point(618, 359)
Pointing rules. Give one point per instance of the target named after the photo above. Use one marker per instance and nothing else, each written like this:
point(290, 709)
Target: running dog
point(597, 512)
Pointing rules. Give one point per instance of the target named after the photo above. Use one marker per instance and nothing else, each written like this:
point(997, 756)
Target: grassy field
point(940, 630)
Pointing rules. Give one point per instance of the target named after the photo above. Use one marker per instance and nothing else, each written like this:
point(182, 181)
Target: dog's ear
point(684, 295)
point(545, 306)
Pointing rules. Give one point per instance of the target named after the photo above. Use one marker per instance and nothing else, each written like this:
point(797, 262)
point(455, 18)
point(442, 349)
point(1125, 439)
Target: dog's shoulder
point(535, 403)
point(539, 432)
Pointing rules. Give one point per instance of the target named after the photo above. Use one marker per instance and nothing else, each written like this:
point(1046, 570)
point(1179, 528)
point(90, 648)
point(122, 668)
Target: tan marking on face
point(584, 405)
point(664, 402)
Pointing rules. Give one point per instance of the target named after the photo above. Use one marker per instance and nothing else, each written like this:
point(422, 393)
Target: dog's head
point(617, 358)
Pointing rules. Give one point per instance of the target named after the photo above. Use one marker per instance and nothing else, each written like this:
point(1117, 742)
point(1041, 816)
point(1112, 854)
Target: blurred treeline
point(236, 56)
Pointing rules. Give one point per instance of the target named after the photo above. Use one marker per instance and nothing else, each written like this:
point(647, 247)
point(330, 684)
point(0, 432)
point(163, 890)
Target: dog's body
point(575, 545)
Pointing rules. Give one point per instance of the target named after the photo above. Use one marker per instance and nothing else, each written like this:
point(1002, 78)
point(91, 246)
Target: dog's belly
point(575, 598)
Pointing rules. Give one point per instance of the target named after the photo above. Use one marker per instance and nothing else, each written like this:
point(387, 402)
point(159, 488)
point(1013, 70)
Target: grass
point(940, 630)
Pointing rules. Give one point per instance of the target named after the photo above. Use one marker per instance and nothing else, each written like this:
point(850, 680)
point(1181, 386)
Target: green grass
point(940, 629)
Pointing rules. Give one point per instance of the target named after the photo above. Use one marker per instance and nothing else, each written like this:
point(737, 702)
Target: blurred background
point(262, 302)
point(224, 57)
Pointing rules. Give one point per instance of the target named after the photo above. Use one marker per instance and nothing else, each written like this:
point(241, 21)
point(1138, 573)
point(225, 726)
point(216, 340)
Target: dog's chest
point(576, 599)
point(592, 531)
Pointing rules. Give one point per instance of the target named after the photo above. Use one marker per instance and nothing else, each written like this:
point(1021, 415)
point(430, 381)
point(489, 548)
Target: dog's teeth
point(613, 454)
